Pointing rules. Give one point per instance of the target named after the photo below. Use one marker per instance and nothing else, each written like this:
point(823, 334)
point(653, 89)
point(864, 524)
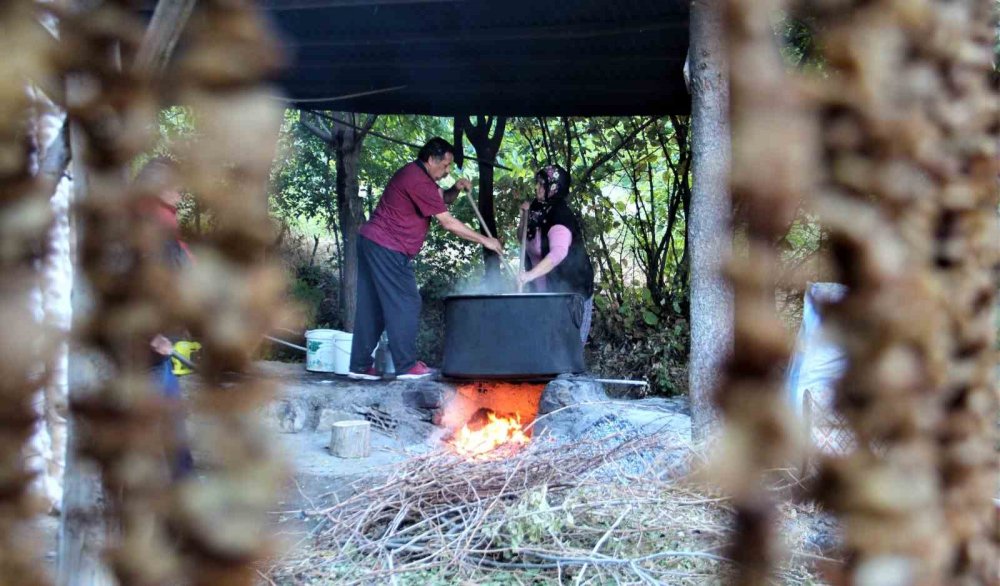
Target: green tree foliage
point(630, 185)
point(302, 179)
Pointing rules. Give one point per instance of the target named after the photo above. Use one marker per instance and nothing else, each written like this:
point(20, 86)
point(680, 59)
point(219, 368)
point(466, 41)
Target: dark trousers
point(388, 300)
point(181, 461)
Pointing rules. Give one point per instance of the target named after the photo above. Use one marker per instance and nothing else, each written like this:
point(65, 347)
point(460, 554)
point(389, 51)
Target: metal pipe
point(180, 358)
point(289, 344)
point(609, 381)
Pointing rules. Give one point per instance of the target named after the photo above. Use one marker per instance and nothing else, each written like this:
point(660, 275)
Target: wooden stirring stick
point(482, 222)
point(524, 247)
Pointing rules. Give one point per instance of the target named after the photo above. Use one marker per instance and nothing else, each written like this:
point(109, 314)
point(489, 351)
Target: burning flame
point(498, 431)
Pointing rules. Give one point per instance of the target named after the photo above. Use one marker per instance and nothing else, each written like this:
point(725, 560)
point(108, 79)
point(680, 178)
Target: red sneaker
point(370, 374)
point(418, 371)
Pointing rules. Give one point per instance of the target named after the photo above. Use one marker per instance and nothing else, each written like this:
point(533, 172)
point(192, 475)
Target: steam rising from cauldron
point(480, 284)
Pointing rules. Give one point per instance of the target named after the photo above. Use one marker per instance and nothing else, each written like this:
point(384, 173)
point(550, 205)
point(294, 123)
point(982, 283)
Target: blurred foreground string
point(906, 114)
point(120, 421)
point(760, 432)
point(964, 258)
point(231, 296)
point(24, 223)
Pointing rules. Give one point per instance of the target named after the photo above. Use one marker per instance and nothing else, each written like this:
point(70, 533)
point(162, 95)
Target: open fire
point(488, 431)
point(487, 418)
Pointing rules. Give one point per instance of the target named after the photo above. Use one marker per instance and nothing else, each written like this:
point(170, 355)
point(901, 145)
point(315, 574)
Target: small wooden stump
point(327, 417)
point(350, 439)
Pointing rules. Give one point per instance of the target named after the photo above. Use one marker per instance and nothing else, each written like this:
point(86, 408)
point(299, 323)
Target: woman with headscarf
point(556, 259)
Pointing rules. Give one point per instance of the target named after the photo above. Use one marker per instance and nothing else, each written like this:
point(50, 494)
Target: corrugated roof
point(513, 57)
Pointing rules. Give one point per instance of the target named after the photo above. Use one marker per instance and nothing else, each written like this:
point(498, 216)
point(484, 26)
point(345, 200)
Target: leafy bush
point(430, 334)
point(634, 340)
point(533, 520)
point(314, 291)
point(308, 293)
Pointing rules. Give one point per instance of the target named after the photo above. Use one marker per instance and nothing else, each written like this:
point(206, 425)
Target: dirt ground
point(300, 417)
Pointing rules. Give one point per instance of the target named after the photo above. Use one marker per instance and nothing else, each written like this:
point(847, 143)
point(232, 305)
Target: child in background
point(160, 176)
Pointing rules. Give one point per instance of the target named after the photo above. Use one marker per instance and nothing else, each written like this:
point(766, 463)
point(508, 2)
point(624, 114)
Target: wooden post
point(82, 530)
point(344, 139)
point(164, 31)
point(350, 439)
point(709, 227)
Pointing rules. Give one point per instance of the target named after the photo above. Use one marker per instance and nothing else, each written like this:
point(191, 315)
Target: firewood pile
point(550, 512)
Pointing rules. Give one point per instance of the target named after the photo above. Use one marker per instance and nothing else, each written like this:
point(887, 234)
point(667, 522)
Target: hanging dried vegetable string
point(772, 130)
point(122, 422)
point(24, 221)
point(958, 46)
point(230, 297)
point(908, 194)
point(885, 175)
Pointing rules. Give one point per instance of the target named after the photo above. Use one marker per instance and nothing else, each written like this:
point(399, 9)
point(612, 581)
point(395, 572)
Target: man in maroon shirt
point(388, 298)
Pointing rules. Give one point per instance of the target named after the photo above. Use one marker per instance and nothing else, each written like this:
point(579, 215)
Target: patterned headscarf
point(555, 180)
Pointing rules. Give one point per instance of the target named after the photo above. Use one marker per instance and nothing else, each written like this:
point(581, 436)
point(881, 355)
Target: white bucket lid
point(323, 334)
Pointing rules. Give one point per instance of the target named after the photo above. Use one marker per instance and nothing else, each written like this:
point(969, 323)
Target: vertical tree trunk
point(488, 209)
point(487, 147)
point(709, 227)
point(351, 215)
point(344, 138)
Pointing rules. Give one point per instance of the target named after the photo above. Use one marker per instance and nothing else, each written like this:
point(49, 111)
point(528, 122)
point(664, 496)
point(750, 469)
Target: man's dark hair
point(437, 148)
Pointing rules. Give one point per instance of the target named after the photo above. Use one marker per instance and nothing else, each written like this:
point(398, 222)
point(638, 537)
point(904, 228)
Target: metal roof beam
point(562, 32)
point(476, 62)
point(287, 5)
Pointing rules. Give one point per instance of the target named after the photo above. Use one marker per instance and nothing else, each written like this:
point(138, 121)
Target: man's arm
point(456, 227)
point(452, 193)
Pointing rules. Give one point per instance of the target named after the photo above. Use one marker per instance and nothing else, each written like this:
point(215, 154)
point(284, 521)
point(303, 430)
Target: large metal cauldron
point(514, 336)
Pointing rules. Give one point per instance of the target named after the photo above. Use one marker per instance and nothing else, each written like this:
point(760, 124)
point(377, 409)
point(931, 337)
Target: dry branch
point(549, 508)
